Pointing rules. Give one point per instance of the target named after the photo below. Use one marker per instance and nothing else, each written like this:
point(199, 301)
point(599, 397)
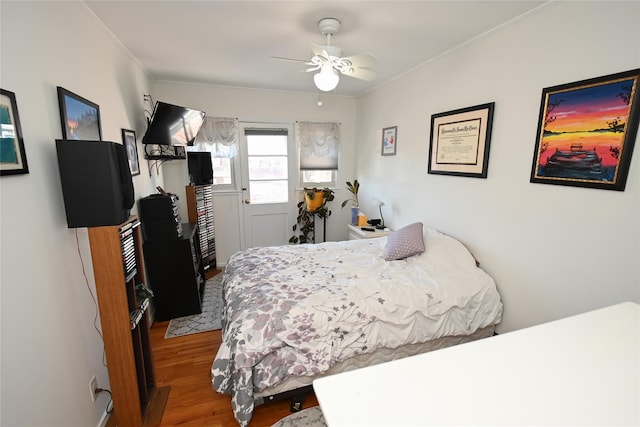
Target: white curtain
point(218, 135)
point(319, 145)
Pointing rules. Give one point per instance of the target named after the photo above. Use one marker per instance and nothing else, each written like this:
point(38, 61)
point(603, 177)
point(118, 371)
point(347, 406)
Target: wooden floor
point(184, 363)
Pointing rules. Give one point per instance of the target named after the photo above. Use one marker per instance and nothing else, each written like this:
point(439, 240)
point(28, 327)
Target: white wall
point(271, 107)
point(554, 251)
point(50, 347)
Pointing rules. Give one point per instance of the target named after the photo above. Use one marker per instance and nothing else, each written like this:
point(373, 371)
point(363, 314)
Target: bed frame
point(297, 388)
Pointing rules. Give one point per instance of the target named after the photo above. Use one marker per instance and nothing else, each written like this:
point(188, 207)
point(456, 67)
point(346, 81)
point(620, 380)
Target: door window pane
point(270, 145)
point(268, 168)
point(269, 192)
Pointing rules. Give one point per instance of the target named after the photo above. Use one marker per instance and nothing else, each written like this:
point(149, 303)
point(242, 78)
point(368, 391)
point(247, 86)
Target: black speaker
point(160, 217)
point(96, 182)
point(200, 167)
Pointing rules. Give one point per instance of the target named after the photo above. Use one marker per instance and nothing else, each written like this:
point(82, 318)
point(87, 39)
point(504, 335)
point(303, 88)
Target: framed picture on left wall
point(79, 117)
point(129, 141)
point(13, 159)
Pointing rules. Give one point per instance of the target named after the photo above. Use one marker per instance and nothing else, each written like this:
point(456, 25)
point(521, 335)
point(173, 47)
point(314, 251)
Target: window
point(318, 178)
point(219, 135)
point(222, 167)
point(267, 165)
point(319, 148)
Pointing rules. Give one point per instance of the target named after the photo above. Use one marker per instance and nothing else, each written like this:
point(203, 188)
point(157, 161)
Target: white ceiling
point(231, 42)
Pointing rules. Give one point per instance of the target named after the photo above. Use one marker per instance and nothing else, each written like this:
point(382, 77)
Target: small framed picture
point(79, 117)
point(129, 141)
point(389, 141)
point(13, 159)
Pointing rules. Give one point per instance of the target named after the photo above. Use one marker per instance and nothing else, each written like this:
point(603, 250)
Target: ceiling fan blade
point(319, 51)
point(360, 73)
point(304, 61)
point(314, 67)
point(304, 70)
point(361, 60)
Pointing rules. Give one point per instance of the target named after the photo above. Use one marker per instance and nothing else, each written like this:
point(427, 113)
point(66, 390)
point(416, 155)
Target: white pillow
point(405, 242)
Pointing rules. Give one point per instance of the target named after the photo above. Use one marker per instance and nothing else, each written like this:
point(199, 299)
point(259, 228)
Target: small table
point(356, 233)
point(582, 370)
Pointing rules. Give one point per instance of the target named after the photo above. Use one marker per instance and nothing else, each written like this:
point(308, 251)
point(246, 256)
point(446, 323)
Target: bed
point(294, 313)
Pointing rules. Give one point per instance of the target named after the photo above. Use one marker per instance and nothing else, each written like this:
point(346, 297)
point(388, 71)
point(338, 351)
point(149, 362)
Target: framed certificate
point(459, 141)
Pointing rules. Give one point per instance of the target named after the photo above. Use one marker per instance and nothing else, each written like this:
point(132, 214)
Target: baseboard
point(155, 410)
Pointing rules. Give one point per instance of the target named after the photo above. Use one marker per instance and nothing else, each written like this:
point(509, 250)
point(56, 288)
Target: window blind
point(319, 145)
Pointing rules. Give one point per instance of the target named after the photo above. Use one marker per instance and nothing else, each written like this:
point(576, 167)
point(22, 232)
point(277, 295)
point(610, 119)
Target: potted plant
point(353, 189)
point(314, 204)
point(316, 198)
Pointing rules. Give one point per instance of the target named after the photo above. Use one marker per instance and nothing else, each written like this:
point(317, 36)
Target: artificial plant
point(353, 189)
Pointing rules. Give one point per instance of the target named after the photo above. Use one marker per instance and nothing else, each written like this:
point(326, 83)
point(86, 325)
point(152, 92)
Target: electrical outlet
point(93, 384)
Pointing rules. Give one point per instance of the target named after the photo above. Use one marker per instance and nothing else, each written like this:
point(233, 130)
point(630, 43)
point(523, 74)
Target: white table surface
point(362, 234)
point(582, 370)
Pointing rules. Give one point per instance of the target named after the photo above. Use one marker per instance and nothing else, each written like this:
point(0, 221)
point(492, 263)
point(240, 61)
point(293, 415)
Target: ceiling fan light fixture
point(327, 79)
point(327, 62)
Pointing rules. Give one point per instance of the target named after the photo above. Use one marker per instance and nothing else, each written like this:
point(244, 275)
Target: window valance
point(218, 135)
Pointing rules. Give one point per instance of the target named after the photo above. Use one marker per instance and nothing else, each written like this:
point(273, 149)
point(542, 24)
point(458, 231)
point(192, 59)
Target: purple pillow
point(406, 242)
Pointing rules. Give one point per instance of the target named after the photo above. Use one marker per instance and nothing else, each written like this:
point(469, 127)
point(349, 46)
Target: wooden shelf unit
point(116, 253)
point(200, 211)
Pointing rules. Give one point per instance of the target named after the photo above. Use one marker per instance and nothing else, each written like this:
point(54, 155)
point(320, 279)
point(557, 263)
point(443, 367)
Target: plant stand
point(314, 204)
point(324, 228)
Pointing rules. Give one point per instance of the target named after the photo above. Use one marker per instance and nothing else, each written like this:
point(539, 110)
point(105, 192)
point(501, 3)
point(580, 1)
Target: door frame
point(292, 173)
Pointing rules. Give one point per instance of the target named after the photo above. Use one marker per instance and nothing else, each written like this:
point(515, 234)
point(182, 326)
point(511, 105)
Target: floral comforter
point(297, 310)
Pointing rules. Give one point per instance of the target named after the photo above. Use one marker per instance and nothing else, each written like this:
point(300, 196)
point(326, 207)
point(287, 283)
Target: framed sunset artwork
point(586, 132)
point(79, 117)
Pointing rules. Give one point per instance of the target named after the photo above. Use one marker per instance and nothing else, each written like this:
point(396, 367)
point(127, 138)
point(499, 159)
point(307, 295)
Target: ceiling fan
point(328, 59)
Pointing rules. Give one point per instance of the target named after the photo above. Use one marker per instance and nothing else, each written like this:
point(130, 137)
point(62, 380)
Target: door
point(266, 183)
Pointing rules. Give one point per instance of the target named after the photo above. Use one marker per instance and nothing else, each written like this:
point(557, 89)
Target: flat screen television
point(200, 167)
point(173, 125)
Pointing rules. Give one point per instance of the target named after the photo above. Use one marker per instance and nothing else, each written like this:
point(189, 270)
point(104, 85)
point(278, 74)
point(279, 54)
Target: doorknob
point(247, 201)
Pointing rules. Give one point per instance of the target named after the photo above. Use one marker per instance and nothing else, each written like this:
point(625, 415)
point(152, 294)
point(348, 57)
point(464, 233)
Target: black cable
point(95, 302)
